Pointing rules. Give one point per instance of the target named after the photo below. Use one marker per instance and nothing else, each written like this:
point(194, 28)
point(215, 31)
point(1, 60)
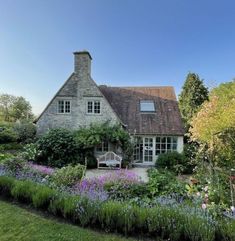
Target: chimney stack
point(82, 62)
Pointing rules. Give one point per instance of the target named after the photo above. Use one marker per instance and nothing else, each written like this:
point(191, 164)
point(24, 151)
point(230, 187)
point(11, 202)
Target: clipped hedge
point(171, 223)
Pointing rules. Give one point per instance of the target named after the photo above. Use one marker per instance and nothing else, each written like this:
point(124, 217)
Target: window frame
point(65, 102)
point(93, 107)
point(105, 147)
point(164, 144)
point(147, 102)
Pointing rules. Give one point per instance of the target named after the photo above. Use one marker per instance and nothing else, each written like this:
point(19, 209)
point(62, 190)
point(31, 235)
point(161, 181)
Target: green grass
point(18, 224)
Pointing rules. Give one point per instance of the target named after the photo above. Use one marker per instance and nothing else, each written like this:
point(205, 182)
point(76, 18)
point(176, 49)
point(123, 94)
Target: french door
point(148, 150)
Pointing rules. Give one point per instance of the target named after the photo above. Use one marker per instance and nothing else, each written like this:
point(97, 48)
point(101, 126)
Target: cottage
point(150, 114)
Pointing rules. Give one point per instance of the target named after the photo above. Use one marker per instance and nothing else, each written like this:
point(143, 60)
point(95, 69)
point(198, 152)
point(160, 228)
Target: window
point(102, 147)
point(147, 106)
point(64, 106)
point(166, 144)
point(93, 107)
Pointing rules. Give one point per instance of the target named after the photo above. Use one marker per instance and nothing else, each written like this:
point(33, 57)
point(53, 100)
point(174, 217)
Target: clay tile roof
point(126, 103)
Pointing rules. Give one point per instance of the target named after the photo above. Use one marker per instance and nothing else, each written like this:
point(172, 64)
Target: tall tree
point(6, 103)
point(14, 108)
point(21, 109)
point(193, 94)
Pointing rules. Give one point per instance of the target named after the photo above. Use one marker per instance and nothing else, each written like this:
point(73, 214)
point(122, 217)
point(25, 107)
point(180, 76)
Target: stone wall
point(79, 88)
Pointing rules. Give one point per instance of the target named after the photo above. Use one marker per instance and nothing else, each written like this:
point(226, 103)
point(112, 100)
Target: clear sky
point(132, 42)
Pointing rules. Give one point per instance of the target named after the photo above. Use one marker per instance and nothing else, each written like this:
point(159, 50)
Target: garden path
point(140, 171)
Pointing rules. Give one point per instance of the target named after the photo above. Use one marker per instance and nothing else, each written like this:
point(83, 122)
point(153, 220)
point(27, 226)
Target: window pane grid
point(165, 144)
point(93, 107)
point(64, 106)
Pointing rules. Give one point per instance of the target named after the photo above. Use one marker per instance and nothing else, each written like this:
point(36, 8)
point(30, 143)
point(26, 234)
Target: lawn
point(17, 223)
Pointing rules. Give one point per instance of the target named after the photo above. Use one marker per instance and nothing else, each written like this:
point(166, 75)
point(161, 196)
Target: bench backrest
point(110, 155)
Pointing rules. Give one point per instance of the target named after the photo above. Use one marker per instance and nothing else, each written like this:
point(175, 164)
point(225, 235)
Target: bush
point(57, 148)
point(162, 182)
point(177, 222)
point(42, 197)
point(26, 131)
point(68, 175)
point(6, 185)
point(23, 191)
point(173, 161)
point(30, 152)
point(14, 164)
point(7, 134)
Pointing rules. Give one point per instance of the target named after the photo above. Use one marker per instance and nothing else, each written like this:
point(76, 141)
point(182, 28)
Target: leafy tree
point(193, 94)
point(21, 109)
point(214, 124)
point(6, 103)
point(14, 108)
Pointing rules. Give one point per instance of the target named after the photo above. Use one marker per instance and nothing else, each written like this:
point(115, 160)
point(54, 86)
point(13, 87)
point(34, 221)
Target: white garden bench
point(108, 160)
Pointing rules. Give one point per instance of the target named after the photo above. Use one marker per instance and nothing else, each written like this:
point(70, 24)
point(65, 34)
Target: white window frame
point(93, 107)
point(64, 106)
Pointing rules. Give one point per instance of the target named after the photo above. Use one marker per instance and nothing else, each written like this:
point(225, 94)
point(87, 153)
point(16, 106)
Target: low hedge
point(161, 221)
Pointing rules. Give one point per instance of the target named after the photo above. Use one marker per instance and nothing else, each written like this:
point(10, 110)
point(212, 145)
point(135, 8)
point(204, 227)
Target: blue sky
point(132, 42)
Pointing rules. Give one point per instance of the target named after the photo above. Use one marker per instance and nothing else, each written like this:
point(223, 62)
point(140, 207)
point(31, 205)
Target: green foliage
point(68, 175)
point(23, 191)
point(5, 156)
point(57, 148)
point(30, 152)
point(226, 230)
point(193, 94)
point(14, 108)
point(173, 161)
point(163, 221)
point(42, 197)
point(14, 164)
point(26, 131)
point(7, 134)
point(123, 191)
point(88, 138)
point(6, 185)
point(162, 182)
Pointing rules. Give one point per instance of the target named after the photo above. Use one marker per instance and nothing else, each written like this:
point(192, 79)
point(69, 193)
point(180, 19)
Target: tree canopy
point(13, 108)
point(216, 115)
point(193, 94)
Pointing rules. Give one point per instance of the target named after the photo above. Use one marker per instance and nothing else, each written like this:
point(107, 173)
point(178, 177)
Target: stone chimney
point(82, 62)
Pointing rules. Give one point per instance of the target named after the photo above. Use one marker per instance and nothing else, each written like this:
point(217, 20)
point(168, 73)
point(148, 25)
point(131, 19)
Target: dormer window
point(147, 106)
point(64, 106)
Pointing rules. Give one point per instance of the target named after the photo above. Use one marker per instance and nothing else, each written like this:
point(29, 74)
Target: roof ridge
point(160, 86)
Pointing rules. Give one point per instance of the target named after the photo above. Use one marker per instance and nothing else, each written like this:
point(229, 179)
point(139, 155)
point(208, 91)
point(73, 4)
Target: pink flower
point(204, 206)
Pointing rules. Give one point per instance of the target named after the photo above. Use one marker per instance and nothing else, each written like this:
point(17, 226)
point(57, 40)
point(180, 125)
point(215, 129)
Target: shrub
point(162, 182)
point(226, 230)
point(7, 134)
point(42, 197)
point(57, 148)
point(6, 184)
point(174, 161)
point(5, 156)
point(14, 164)
point(30, 152)
point(68, 175)
point(23, 191)
point(26, 131)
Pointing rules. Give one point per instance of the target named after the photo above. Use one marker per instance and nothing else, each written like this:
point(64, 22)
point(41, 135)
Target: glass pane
point(61, 106)
point(89, 106)
point(174, 139)
point(168, 139)
point(174, 146)
point(158, 139)
point(97, 107)
point(163, 139)
point(67, 106)
point(147, 105)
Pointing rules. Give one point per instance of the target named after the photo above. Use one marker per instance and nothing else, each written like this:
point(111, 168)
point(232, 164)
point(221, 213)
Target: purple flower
point(43, 169)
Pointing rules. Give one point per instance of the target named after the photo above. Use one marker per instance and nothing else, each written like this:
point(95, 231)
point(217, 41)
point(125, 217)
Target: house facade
point(150, 114)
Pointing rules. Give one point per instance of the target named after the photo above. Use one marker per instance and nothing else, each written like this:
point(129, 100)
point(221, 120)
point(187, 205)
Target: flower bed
point(174, 223)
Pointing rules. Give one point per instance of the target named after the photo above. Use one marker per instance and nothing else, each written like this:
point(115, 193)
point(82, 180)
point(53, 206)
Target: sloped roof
point(125, 101)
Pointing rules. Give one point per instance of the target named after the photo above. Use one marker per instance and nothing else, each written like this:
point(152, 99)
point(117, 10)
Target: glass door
point(148, 150)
